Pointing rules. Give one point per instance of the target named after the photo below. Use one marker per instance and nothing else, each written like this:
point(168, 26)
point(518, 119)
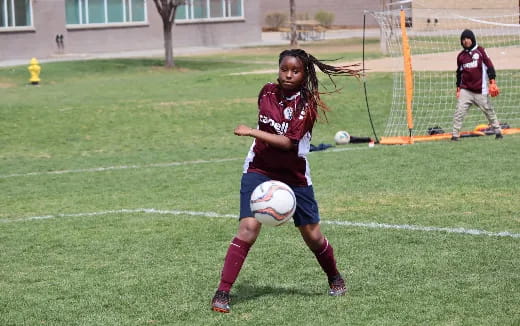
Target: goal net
point(433, 37)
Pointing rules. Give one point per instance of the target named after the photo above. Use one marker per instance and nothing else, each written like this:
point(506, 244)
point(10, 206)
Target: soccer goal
point(423, 46)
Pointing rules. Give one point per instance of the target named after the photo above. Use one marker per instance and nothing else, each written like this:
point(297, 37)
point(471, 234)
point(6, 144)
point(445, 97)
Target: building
point(45, 29)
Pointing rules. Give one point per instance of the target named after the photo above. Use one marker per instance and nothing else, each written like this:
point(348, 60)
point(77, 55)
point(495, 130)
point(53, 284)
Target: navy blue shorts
point(306, 205)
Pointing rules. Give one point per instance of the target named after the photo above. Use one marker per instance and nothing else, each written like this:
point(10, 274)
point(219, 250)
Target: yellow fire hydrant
point(34, 69)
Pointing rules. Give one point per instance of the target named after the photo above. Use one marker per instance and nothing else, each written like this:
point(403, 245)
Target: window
point(197, 10)
point(82, 12)
point(15, 13)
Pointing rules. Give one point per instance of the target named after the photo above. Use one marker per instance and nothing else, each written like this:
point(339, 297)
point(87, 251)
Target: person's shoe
point(499, 136)
point(220, 302)
point(337, 286)
point(453, 138)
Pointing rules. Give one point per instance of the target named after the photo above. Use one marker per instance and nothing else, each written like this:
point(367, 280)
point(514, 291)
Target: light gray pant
point(466, 99)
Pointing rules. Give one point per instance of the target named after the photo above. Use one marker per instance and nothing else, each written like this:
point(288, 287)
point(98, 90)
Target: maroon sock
point(236, 254)
point(325, 256)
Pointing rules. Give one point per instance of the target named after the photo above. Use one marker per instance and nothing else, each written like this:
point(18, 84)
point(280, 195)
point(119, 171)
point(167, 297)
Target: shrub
point(276, 20)
point(324, 18)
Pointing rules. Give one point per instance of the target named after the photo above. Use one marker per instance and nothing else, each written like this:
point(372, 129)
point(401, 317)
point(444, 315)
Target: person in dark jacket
point(475, 81)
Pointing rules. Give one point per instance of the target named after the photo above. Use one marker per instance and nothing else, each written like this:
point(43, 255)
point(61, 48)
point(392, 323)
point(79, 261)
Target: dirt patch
point(6, 85)
point(503, 59)
point(322, 48)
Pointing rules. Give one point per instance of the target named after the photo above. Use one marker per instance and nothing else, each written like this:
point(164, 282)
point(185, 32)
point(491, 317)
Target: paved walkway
point(268, 38)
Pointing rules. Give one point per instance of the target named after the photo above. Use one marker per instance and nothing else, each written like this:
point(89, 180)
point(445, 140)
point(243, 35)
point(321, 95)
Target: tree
point(292, 14)
point(167, 10)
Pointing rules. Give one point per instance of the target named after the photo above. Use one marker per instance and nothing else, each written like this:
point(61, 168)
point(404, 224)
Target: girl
point(287, 113)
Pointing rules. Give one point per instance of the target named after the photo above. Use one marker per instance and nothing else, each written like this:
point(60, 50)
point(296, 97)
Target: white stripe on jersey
point(485, 88)
point(304, 146)
point(249, 158)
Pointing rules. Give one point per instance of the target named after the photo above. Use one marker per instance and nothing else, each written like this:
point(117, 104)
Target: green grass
point(165, 139)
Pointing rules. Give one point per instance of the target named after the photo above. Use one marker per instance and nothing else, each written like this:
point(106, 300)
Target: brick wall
point(49, 20)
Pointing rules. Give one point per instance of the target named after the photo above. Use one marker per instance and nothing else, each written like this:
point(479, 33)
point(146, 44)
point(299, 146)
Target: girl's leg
point(324, 253)
point(248, 231)
point(321, 248)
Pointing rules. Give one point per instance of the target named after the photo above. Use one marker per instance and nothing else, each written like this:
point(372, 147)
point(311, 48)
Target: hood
point(468, 34)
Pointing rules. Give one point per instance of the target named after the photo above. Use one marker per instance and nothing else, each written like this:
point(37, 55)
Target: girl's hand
point(243, 130)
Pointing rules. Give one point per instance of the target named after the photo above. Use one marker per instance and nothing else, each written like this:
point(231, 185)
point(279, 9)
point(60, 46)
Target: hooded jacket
point(474, 67)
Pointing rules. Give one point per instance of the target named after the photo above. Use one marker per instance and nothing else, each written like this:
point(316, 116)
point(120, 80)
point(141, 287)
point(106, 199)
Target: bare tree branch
point(167, 10)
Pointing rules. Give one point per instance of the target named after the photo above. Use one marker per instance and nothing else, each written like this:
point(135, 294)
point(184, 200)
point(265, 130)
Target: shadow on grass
point(249, 291)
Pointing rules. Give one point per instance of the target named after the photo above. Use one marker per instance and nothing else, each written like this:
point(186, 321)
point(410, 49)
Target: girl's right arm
point(278, 141)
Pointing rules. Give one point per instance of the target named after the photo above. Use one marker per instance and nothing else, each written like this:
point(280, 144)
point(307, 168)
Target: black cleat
point(220, 302)
point(337, 286)
point(499, 136)
point(453, 138)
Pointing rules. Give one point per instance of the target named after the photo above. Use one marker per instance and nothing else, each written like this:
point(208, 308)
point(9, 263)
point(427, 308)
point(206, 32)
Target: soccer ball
point(273, 203)
point(342, 137)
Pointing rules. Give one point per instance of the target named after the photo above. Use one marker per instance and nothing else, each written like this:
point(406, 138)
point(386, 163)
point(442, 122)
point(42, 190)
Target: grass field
point(119, 190)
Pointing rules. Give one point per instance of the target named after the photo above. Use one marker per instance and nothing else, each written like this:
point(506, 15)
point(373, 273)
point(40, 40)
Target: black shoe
point(499, 136)
point(453, 138)
point(337, 286)
point(220, 302)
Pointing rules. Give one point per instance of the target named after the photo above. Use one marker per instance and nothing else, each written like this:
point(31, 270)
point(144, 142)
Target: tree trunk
point(168, 45)
point(292, 11)
point(167, 10)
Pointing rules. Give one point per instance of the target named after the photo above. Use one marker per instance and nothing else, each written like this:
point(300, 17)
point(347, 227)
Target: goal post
point(408, 71)
point(423, 98)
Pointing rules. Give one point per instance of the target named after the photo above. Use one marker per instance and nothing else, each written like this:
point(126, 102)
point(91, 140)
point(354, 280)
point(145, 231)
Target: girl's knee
point(312, 236)
point(248, 230)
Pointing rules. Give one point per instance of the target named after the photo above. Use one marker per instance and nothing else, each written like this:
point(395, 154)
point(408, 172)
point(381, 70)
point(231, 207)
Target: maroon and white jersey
point(282, 115)
point(474, 68)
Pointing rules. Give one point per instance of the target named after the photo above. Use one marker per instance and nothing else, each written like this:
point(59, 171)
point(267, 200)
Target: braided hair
point(309, 91)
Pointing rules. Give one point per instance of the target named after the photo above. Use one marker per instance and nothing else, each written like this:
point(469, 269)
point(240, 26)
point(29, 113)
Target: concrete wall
point(49, 20)
point(347, 13)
